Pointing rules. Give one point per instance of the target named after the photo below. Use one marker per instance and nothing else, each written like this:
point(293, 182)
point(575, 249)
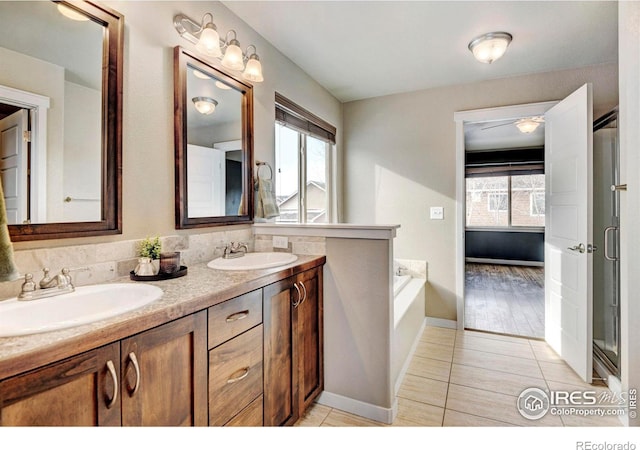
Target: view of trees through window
point(505, 201)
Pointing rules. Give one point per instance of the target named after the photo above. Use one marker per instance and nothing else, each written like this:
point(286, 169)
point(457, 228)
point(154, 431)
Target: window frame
point(306, 124)
point(509, 226)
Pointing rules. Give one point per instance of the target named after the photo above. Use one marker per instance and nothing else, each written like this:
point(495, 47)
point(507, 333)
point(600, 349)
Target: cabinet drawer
point(251, 416)
point(235, 375)
point(235, 316)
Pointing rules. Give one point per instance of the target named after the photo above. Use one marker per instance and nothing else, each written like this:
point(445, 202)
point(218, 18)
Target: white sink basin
point(253, 261)
point(87, 304)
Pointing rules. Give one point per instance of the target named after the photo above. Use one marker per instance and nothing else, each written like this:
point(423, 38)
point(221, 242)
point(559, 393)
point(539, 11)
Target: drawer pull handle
point(114, 377)
point(134, 361)
point(244, 373)
point(238, 316)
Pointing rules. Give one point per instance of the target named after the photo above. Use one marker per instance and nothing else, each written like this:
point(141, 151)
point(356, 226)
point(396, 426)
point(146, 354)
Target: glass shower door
point(606, 223)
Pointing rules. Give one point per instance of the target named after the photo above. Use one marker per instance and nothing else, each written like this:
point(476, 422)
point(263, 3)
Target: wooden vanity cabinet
point(236, 361)
point(79, 391)
point(158, 377)
point(164, 374)
point(293, 348)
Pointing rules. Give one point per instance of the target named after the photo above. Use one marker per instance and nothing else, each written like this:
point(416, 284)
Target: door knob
point(578, 248)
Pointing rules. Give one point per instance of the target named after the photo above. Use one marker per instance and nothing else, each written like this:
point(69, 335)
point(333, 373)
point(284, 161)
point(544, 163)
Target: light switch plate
point(280, 242)
point(437, 213)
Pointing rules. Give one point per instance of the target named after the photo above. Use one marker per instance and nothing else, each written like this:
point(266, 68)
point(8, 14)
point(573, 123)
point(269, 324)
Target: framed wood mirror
point(61, 118)
point(213, 144)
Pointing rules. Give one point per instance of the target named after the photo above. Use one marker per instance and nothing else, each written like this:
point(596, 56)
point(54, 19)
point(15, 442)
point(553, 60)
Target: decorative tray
point(161, 276)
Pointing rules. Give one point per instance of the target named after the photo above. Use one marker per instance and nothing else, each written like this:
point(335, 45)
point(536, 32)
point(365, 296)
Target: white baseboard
point(507, 262)
point(442, 323)
point(359, 408)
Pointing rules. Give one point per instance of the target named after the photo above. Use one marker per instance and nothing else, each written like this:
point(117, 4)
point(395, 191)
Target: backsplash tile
point(98, 263)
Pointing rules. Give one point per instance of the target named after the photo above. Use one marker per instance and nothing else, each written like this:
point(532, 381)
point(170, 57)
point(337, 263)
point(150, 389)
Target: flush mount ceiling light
point(204, 105)
point(207, 40)
point(490, 46)
point(529, 124)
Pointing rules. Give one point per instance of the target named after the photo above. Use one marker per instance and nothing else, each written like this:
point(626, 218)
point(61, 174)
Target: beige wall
point(400, 160)
point(148, 149)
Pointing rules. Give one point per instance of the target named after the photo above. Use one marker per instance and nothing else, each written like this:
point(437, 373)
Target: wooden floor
point(505, 299)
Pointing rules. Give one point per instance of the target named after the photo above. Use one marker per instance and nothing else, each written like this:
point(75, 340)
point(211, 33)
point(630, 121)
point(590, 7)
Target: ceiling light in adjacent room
point(201, 75)
point(529, 125)
point(221, 85)
point(490, 46)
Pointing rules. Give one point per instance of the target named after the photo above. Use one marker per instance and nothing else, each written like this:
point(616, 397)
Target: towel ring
point(261, 164)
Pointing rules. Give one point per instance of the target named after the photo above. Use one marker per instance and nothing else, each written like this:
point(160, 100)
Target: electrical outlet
point(280, 242)
point(437, 213)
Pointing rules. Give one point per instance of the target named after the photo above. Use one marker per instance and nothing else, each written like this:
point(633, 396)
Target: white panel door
point(568, 234)
point(13, 165)
point(206, 181)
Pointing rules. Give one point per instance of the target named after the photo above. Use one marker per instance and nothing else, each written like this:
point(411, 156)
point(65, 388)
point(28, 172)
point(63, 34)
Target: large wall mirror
point(60, 118)
point(213, 144)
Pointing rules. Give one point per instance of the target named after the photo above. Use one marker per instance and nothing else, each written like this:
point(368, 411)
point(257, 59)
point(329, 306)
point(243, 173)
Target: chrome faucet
point(235, 250)
point(49, 286)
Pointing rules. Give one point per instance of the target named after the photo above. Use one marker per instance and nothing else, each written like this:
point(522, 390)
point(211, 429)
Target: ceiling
point(363, 49)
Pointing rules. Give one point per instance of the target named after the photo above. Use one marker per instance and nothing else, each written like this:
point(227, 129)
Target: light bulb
point(253, 71)
point(209, 42)
point(233, 56)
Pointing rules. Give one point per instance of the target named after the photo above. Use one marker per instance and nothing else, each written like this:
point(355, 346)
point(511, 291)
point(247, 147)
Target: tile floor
point(469, 378)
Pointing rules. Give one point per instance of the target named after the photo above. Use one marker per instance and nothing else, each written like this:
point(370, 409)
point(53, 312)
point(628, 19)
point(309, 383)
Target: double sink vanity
point(235, 342)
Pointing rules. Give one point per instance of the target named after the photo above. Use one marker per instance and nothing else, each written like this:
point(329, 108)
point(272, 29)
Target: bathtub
point(408, 319)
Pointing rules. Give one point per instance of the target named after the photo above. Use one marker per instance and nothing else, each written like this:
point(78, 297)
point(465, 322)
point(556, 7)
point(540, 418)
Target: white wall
point(400, 160)
point(629, 54)
point(40, 77)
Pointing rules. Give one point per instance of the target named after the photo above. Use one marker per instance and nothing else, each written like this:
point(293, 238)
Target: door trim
point(471, 116)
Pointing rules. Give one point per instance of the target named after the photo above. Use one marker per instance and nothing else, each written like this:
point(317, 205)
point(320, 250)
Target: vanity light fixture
point(490, 46)
point(528, 125)
point(204, 105)
point(205, 36)
point(71, 13)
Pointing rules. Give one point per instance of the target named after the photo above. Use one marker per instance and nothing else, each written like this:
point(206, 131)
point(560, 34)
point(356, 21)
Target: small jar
point(144, 268)
point(169, 262)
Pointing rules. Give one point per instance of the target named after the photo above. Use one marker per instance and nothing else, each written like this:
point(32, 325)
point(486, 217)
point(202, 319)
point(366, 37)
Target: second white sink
point(253, 261)
point(87, 304)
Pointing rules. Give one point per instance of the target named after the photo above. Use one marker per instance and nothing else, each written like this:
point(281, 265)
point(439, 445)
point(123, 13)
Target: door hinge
point(26, 136)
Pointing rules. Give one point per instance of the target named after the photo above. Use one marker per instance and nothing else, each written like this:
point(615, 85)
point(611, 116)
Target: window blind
point(297, 118)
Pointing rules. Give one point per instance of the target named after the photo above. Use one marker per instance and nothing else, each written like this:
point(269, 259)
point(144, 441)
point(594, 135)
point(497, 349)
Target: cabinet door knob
point(112, 371)
point(296, 303)
point(136, 367)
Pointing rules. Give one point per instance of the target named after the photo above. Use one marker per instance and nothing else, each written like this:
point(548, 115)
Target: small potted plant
point(148, 256)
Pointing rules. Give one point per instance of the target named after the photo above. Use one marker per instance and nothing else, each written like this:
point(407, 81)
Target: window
point(506, 201)
point(304, 145)
point(498, 202)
